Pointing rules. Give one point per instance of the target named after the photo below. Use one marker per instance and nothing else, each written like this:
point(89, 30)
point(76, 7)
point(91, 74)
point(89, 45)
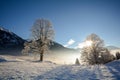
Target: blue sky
point(71, 19)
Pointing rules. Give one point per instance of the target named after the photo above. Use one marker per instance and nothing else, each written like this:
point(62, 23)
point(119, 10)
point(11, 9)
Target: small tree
point(77, 62)
point(95, 53)
point(42, 35)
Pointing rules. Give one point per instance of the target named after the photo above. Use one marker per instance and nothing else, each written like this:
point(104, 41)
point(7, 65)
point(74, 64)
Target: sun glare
point(85, 44)
point(88, 43)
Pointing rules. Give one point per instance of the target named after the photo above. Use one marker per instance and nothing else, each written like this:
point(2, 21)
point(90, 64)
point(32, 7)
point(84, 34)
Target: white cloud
point(70, 42)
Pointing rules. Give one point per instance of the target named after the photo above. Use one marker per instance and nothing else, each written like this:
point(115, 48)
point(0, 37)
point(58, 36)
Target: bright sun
point(88, 43)
point(85, 44)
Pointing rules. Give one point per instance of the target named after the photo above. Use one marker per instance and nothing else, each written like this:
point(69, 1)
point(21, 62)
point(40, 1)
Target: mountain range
point(10, 43)
point(112, 47)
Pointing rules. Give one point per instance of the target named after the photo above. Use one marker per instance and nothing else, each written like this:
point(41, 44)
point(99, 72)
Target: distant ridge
point(112, 47)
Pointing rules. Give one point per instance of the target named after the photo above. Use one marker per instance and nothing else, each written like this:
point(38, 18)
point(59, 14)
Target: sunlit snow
point(23, 68)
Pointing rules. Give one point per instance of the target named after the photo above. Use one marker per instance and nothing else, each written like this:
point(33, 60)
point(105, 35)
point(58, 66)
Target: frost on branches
point(95, 53)
point(42, 36)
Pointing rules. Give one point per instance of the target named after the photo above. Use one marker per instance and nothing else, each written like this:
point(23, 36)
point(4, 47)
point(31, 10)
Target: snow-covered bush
point(106, 56)
point(26, 49)
point(117, 55)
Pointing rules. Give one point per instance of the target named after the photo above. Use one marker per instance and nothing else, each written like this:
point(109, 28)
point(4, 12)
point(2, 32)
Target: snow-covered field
point(22, 68)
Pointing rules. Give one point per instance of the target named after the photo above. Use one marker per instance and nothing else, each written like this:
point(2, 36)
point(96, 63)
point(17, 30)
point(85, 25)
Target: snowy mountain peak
point(7, 37)
point(3, 29)
point(10, 43)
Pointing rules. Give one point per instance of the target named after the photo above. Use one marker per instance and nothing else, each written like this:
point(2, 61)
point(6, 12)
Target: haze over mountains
point(112, 47)
point(10, 43)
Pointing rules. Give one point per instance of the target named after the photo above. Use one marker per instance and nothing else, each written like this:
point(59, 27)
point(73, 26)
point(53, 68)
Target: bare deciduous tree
point(96, 53)
point(42, 35)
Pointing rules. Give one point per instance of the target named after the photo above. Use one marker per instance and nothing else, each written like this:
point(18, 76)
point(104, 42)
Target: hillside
point(10, 43)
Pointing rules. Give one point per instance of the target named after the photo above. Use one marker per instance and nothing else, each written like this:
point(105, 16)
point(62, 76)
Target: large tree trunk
point(41, 56)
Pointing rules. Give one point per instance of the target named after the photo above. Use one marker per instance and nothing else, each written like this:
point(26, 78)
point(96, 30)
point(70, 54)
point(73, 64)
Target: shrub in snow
point(77, 62)
point(117, 55)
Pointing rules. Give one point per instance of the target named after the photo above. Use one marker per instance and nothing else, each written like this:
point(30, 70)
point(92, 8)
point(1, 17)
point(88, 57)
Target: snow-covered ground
point(22, 68)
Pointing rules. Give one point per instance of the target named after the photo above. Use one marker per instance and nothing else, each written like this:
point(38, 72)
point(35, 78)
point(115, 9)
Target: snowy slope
point(17, 68)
